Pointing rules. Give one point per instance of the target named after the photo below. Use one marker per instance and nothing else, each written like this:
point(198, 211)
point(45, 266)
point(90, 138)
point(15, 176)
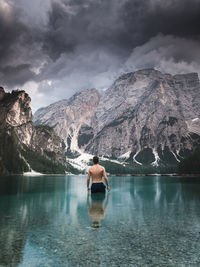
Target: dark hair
point(95, 159)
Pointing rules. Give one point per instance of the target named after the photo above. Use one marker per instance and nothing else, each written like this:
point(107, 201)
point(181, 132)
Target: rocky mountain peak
point(147, 112)
point(68, 116)
point(20, 111)
point(147, 116)
point(15, 108)
point(20, 142)
point(85, 96)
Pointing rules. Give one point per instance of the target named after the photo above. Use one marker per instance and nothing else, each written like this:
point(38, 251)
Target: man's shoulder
point(90, 168)
point(102, 167)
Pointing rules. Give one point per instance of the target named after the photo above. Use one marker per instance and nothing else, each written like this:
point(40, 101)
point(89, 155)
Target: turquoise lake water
point(143, 221)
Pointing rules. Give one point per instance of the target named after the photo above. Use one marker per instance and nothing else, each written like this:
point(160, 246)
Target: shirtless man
point(97, 172)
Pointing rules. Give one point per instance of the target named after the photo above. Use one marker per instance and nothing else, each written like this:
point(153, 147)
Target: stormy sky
point(54, 48)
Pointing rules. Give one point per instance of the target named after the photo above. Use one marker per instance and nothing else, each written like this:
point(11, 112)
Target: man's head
point(95, 159)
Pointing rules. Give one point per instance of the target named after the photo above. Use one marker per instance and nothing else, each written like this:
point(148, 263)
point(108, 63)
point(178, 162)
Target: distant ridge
point(145, 117)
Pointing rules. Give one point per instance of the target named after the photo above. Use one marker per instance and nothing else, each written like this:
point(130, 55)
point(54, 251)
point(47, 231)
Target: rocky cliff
point(23, 146)
point(146, 117)
point(72, 118)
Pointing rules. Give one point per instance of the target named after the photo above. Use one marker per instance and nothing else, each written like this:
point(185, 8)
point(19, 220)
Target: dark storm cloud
point(115, 25)
point(17, 47)
point(86, 23)
point(90, 43)
point(118, 25)
point(67, 45)
point(11, 31)
point(161, 52)
point(16, 75)
point(145, 19)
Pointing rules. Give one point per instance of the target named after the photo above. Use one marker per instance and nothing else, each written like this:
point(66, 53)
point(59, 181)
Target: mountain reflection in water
point(44, 222)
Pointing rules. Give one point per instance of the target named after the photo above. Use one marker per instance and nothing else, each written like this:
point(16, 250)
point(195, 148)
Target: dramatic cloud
point(74, 23)
point(144, 19)
point(20, 47)
point(166, 53)
point(57, 47)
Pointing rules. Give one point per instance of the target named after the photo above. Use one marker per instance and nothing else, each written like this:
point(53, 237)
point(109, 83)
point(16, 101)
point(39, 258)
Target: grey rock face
point(147, 109)
point(71, 118)
point(16, 115)
point(145, 115)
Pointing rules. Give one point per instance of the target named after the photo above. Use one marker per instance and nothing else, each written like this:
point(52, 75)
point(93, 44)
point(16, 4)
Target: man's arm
point(88, 180)
point(106, 179)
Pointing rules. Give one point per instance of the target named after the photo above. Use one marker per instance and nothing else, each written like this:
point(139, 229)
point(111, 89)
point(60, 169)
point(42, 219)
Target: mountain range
point(145, 117)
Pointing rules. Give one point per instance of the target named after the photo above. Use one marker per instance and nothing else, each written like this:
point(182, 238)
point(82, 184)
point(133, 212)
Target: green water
point(143, 221)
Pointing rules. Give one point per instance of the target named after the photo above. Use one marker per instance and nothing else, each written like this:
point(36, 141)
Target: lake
point(143, 221)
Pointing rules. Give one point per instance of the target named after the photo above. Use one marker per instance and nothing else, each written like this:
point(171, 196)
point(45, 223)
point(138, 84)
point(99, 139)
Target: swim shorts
point(98, 187)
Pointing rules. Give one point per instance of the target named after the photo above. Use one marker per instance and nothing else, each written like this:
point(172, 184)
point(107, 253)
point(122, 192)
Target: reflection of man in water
point(97, 211)
point(97, 172)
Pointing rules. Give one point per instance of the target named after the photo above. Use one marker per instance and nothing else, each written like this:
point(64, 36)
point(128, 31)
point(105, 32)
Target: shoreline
point(33, 173)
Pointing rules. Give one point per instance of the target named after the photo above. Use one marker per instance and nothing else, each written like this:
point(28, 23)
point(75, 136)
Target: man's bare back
point(97, 172)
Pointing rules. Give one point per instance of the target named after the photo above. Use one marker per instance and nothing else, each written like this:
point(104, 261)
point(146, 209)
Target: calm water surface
point(143, 221)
